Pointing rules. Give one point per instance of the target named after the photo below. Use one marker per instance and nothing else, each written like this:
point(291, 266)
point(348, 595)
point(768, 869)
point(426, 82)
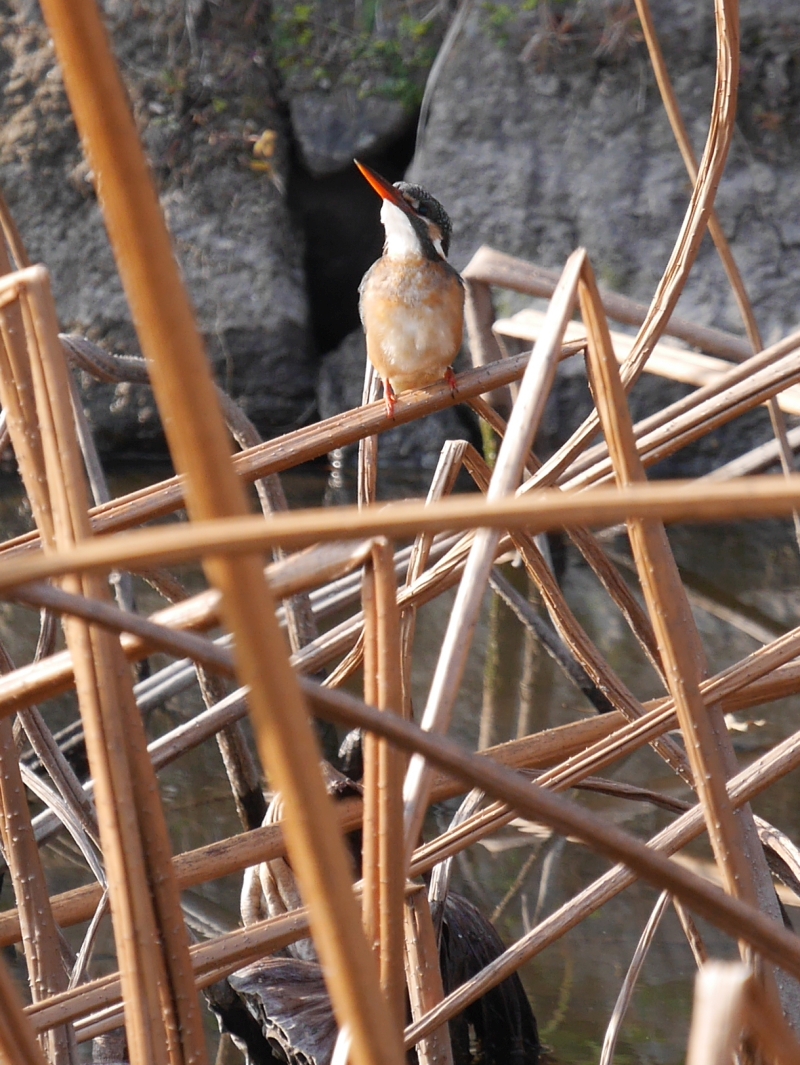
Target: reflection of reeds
point(319, 557)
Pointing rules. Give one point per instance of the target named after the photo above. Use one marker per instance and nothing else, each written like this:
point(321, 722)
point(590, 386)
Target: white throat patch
point(401, 240)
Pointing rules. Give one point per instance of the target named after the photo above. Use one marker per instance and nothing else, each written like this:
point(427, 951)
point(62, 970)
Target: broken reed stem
point(571, 632)
point(729, 1004)
point(424, 976)
point(370, 871)
point(383, 775)
point(46, 974)
point(522, 427)
point(18, 1042)
point(491, 267)
point(368, 445)
point(604, 569)
point(703, 410)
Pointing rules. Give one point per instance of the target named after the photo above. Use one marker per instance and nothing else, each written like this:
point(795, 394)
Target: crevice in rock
point(338, 216)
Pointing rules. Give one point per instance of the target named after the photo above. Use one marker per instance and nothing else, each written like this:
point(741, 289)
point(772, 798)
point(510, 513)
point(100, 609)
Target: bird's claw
point(389, 398)
point(450, 378)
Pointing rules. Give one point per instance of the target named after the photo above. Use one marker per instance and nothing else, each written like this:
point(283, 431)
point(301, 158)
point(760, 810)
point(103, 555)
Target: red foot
point(389, 398)
point(450, 378)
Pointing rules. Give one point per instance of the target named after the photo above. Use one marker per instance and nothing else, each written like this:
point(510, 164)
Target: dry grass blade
point(511, 459)
point(631, 976)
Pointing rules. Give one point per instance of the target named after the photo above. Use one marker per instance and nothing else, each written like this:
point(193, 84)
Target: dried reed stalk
point(666, 501)
point(424, 977)
point(210, 961)
point(726, 912)
point(714, 228)
point(302, 445)
point(392, 764)
point(162, 1013)
point(442, 484)
point(172, 345)
point(674, 427)
point(573, 634)
point(604, 569)
point(747, 784)
point(46, 974)
point(522, 427)
point(491, 267)
point(383, 774)
point(228, 856)
point(368, 445)
point(18, 1042)
point(729, 1004)
point(631, 976)
point(687, 245)
point(733, 836)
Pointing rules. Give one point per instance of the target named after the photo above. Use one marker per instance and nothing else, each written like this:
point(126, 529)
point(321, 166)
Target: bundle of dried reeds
point(378, 945)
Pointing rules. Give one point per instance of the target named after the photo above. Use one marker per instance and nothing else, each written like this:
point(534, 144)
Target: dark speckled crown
point(427, 207)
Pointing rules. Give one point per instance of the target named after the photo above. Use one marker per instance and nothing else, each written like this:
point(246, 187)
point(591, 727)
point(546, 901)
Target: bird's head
point(415, 223)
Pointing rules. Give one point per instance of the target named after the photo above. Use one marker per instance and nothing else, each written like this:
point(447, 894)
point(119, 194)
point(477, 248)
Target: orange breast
point(413, 315)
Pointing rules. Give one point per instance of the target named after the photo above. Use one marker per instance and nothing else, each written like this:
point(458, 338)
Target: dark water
point(573, 985)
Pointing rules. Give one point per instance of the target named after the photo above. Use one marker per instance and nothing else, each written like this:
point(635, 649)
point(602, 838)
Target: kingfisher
point(411, 300)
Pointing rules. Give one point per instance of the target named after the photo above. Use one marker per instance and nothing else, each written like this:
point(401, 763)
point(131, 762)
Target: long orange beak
point(383, 188)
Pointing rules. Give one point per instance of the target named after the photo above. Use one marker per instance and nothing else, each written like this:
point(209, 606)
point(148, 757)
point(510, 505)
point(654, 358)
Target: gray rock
point(570, 146)
point(202, 92)
point(409, 447)
point(334, 127)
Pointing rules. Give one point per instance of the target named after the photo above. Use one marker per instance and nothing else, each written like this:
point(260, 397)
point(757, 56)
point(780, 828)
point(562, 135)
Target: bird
point(411, 300)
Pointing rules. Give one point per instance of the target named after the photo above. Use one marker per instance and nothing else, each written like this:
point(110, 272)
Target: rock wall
point(546, 132)
point(202, 88)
